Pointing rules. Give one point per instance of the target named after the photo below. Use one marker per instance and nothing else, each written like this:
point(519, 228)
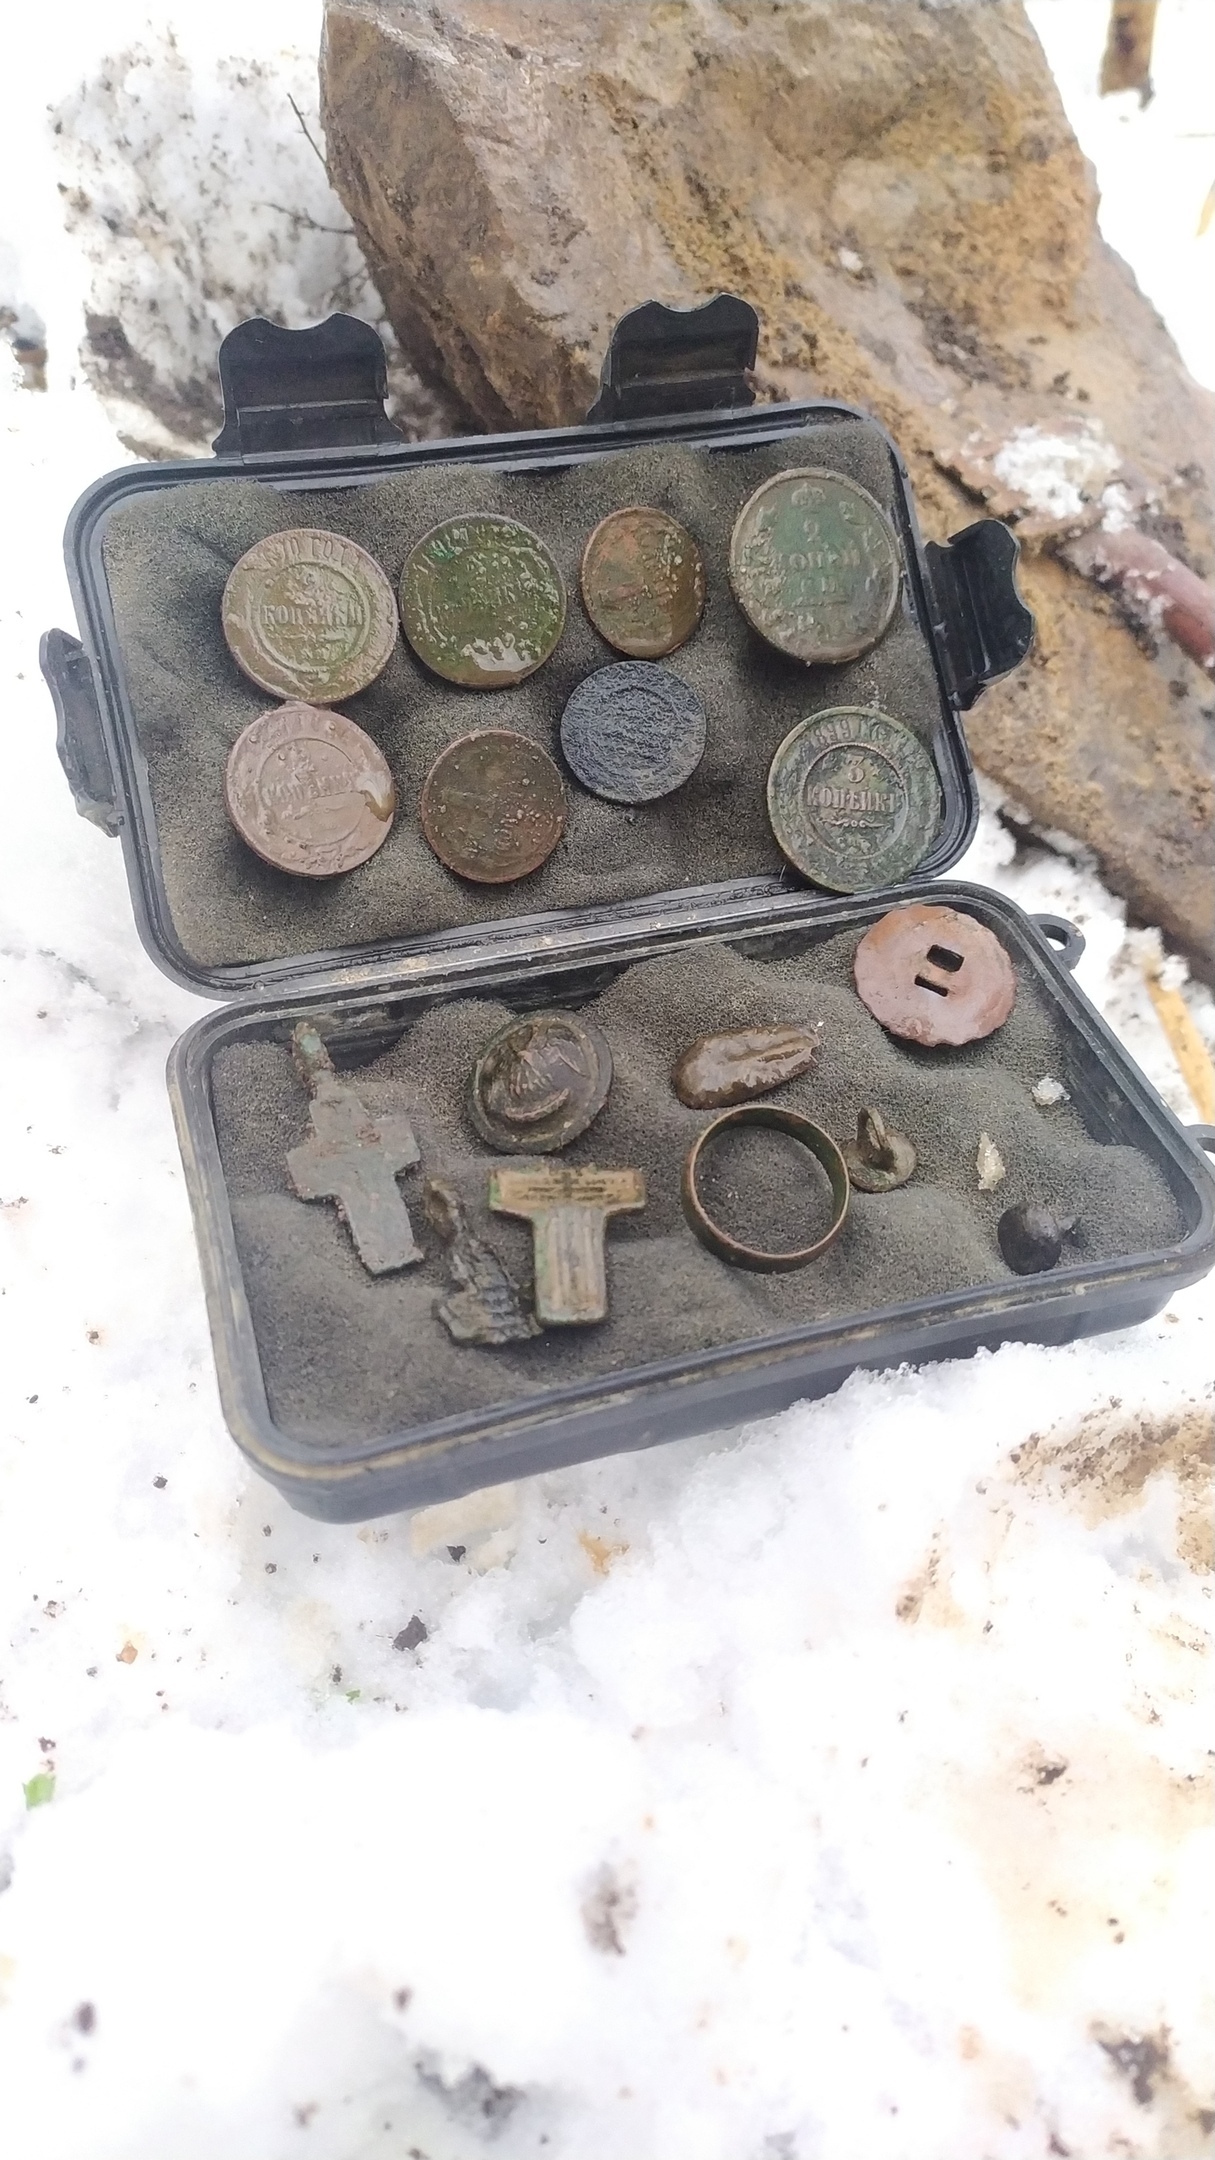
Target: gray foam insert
point(167, 556)
point(350, 1358)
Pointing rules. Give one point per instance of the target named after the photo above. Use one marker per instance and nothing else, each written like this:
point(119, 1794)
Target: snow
point(835, 1787)
point(1057, 474)
point(1155, 166)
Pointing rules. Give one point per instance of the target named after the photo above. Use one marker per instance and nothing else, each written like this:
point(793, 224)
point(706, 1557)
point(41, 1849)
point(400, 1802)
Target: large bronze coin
point(482, 601)
point(633, 732)
point(539, 1082)
point(643, 582)
point(853, 799)
point(934, 976)
point(308, 791)
point(814, 564)
point(493, 807)
point(307, 614)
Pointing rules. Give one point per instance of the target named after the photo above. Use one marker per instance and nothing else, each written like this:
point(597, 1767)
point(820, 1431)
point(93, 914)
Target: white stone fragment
point(989, 1163)
point(1048, 1090)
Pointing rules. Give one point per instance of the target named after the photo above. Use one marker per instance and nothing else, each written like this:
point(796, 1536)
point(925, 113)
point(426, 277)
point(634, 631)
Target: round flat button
point(308, 791)
point(643, 582)
point(493, 807)
point(934, 976)
point(633, 732)
point(853, 799)
point(815, 565)
point(539, 1082)
point(482, 602)
point(307, 614)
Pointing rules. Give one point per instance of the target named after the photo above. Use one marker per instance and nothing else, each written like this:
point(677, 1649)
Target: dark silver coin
point(853, 799)
point(633, 732)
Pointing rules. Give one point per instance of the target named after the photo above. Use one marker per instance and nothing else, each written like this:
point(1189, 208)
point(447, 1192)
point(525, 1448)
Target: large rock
point(896, 187)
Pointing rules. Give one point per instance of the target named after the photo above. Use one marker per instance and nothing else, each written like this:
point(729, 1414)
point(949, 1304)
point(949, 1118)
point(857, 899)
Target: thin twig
point(304, 217)
point(308, 136)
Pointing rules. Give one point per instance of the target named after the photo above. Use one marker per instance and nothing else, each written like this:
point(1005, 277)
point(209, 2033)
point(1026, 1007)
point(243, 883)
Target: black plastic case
point(306, 409)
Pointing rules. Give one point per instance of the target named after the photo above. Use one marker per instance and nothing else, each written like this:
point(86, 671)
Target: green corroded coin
point(814, 565)
point(853, 798)
point(482, 601)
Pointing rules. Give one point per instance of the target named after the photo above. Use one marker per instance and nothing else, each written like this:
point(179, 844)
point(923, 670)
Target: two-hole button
point(934, 976)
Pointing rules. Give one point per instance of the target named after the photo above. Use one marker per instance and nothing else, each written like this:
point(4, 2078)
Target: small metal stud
point(880, 1159)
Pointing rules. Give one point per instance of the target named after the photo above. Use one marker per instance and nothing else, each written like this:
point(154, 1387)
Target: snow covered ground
point(834, 1789)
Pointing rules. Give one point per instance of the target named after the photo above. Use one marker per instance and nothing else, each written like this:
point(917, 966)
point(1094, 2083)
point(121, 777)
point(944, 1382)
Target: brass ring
point(812, 1137)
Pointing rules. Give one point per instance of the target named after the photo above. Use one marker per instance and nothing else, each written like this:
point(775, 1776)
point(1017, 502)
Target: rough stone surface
point(897, 189)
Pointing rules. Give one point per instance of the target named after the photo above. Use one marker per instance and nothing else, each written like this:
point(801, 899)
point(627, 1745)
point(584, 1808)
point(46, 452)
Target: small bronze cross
point(354, 1157)
point(568, 1211)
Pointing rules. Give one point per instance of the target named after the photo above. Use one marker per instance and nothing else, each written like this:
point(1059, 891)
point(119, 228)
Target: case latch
point(79, 740)
point(675, 360)
point(317, 389)
point(983, 623)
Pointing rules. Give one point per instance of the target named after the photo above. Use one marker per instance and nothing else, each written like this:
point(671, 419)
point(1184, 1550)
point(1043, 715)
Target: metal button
point(934, 976)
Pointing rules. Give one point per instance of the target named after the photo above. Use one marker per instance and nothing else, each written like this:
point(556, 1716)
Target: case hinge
point(675, 360)
point(983, 626)
point(317, 389)
point(79, 740)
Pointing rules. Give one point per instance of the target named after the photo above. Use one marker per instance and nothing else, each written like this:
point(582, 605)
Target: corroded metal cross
point(354, 1158)
point(568, 1211)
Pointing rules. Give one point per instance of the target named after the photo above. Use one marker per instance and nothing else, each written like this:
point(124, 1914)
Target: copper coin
point(633, 732)
point(539, 1082)
point(307, 614)
point(308, 791)
point(853, 799)
point(934, 976)
point(815, 565)
point(482, 601)
point(643, 582)
point(493, 807)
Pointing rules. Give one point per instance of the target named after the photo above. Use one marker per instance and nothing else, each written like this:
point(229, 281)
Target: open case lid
point(304, 409)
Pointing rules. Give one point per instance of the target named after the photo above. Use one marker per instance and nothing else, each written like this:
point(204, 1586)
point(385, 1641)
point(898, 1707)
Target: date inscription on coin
point(643, 582)
point(853, 799)
point(482, 601)
point(307, 614)
point(633, 732)
point(308, 791)
point(539, 1082)
point(493, 807)
point(814, 564)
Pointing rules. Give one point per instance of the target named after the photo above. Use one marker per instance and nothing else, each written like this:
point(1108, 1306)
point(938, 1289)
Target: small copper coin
point(482, 601)
point(853, 799)
point(815, 565)
point(633, 732)
point(493, 807)
point(643, 582)
point(539, 1082)
point(308, 791)
point(934, 976)
point(307, 614)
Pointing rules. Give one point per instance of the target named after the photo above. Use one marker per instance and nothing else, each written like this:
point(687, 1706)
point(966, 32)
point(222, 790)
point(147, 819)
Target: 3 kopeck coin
point(308, 791)
point(853, 799)
point(308, 614)
point(643, 582)
point(493, 807)
point(482, 601)
point(814, 564)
